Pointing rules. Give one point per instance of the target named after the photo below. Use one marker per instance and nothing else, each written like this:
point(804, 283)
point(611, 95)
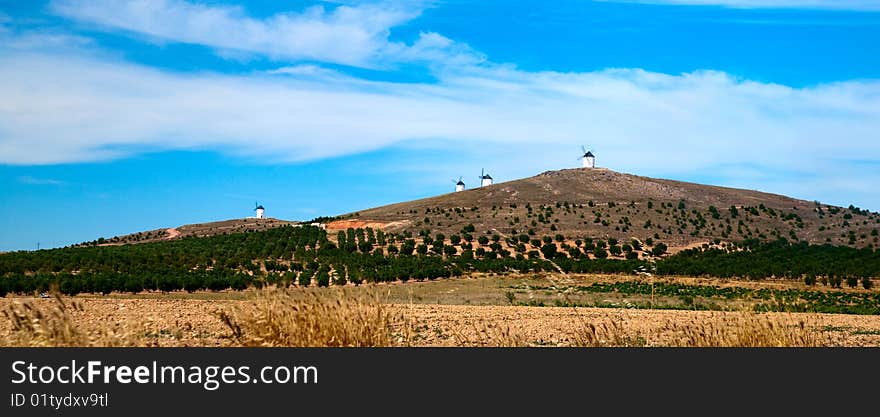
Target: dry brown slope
point(600, 185)
point(623, 204)
point(199, 230)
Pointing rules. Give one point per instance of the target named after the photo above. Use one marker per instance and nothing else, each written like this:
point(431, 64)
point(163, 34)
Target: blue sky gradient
point(112, 122)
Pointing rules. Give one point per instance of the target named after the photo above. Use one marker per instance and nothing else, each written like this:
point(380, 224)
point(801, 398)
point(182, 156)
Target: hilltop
point(571, 221)
point(584, 203)
point(192, 230)
point(601, 203)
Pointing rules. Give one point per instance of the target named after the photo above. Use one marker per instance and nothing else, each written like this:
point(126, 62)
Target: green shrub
point(305, 278)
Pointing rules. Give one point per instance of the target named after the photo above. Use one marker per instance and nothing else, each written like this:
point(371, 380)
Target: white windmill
point(259, 210)
point(589, 160)
point(485, 179)
point(459, 186)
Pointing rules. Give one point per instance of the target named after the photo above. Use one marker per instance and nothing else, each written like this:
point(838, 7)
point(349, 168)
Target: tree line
point(755, 259)
point(304, 256)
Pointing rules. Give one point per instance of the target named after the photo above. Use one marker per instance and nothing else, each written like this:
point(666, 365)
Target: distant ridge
point(588, 203)
point(627, 206)
point(192, 230)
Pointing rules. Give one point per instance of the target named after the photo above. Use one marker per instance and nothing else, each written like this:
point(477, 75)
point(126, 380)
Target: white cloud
point(43, 40)
point(306, 70)
point(860, 5)
point(355, 35)
point(57, 109)
point(77, 105)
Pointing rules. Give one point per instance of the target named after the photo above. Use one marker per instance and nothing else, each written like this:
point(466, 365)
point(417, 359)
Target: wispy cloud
point(40, 39)
point(74, 108)
point(306, 70)
point(355, 35)
point(26, 179)
point(859, 5)
point(64, 106)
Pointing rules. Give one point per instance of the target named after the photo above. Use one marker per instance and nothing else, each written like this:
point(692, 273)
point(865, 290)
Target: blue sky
point(124, 115)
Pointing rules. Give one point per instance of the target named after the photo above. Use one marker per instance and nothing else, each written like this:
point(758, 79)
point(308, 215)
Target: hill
point(570, 221)
point(586, 204)
point(192, 230)
point(601, 203)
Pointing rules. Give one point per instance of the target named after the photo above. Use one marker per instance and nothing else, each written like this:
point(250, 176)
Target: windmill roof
point(486, 177)
point(259, 208)
point(588, 155)
point(460, 182)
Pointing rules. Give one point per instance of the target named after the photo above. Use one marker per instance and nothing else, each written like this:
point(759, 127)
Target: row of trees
point(232, 251)
point(281, 256)
point(782, 259)
point(303, 256)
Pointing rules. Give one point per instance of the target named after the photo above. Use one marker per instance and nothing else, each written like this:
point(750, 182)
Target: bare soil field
point(460, 312)
point(197, 323)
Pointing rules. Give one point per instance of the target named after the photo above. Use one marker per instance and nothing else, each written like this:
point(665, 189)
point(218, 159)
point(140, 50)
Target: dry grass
point(741, 329)
point(487, 334)
point(747, 330)
point(728, 329)
point(606, 334)
point(278, 317)
point(53, 325)
point(281, 317)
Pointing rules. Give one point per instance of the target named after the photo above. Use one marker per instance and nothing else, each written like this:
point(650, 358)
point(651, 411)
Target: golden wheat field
point(467, 312)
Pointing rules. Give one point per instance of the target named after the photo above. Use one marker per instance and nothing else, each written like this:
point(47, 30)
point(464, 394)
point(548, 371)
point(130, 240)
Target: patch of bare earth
point(362, 224)
point(195, 322)
point(171, 233)
point(451, 325)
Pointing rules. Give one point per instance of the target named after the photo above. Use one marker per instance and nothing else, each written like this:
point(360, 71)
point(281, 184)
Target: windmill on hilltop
point(589, 160)
point(485, 179)
point(259, 210)
point(459, 186)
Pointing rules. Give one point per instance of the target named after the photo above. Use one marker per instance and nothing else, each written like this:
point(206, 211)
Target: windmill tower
point(459, 186)
point(485, 179)
point(589, 160)
point(259, 210)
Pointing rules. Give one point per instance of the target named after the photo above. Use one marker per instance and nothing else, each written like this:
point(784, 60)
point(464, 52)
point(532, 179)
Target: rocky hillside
point(602, 204)
point(192, 230)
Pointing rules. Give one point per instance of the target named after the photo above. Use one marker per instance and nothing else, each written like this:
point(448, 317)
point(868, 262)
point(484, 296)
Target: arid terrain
point(602, 203)
point(478, 311)
point(193, 230)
